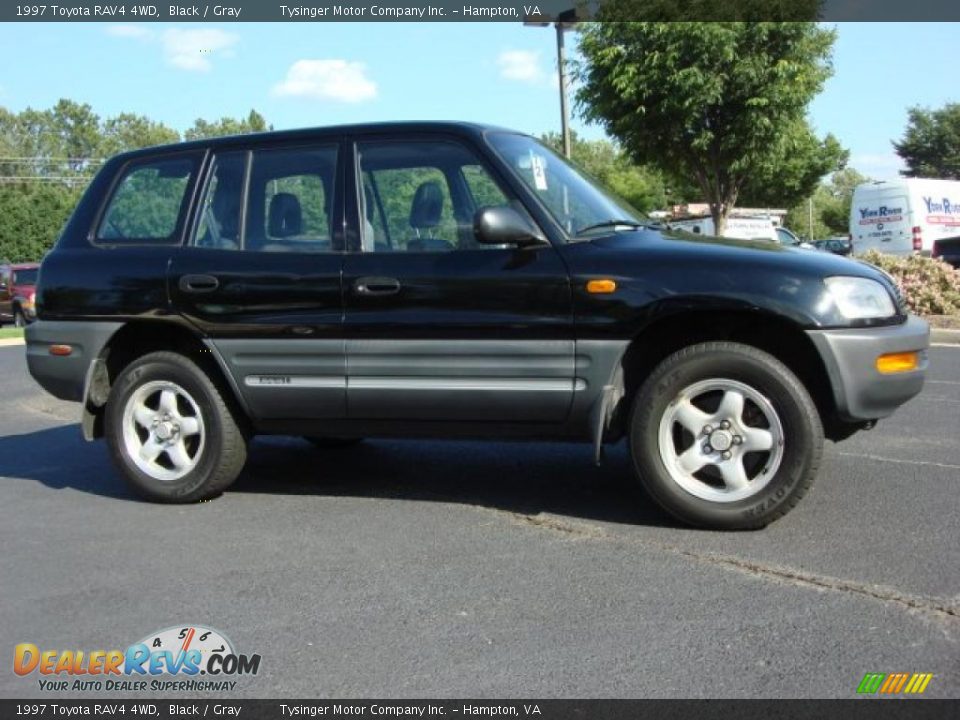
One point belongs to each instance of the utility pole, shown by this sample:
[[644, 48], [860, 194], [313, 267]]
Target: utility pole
[[565, 20]]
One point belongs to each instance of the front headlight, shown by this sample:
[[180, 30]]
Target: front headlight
[[859, 298]]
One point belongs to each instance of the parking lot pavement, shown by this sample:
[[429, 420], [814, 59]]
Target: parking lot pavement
[[418, 569]]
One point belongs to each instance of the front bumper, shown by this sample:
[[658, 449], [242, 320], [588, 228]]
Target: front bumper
[[860, 391]]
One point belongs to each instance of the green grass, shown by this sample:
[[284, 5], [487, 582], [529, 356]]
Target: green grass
[[10, 332]]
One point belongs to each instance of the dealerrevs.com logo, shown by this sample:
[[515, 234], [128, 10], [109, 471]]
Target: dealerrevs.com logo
[[183, 658]]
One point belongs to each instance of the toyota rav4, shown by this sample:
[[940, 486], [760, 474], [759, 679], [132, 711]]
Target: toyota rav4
[[451, 280]]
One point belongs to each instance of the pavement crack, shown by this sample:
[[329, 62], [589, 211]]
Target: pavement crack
[[792, 576], [937, 607], [899, 461]]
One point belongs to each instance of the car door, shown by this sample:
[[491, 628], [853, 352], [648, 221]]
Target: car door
[[260, 276], [438, 326]]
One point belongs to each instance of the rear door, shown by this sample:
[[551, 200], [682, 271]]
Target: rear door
[[260, 276], [440, 327]]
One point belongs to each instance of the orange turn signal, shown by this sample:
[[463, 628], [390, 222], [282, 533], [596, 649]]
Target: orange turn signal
[[898, 362], [60, 350], [602, 286]]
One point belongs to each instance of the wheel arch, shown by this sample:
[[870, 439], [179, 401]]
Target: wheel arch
[[779, 336], [137, 338]]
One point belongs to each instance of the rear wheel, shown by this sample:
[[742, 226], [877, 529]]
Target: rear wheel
[[724, 435], [170, 431]]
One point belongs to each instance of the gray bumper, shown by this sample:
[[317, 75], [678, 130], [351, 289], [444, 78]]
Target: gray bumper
[[65, 377], [850, 354]]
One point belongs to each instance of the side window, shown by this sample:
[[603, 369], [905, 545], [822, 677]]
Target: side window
[[421, 196], [148, 203], [290, 200]]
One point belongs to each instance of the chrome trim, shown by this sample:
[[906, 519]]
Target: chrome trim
[[415, 383], [295, 381]]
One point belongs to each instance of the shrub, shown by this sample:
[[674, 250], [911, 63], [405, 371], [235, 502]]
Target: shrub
[[929, 285]]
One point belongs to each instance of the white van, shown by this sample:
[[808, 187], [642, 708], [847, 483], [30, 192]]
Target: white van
[[742, 228], [900, 217]]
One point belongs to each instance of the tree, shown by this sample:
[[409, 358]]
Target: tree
[[931, 144], [708, 101], [831, 206], [800, 161], [640, 186], [254, 122], [128, 131]]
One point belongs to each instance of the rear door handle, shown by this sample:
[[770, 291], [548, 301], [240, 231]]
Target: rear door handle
[[376, 286], [199, 283]]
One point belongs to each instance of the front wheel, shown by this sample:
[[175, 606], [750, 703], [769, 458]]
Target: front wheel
[[725, 436], [170, 432]]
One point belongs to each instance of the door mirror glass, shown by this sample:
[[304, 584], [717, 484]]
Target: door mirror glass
[[503, 225]]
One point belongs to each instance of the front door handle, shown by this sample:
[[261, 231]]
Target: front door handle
[[376, 286], [199, 283]]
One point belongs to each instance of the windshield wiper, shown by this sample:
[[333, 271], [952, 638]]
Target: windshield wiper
[[613, 222]]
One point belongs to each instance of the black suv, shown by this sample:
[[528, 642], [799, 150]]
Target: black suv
[[451, 280]]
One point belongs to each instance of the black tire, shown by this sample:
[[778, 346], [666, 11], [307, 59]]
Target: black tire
[[19, 320], [802, 434], [223, 453], [328, 443]]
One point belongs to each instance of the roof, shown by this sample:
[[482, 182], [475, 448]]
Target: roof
[[420, 126]]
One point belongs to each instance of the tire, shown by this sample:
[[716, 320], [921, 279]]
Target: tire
[[18, 319], [203, 447], [767, 447], [329, 443]]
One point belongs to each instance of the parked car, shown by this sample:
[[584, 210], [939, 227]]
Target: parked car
[[786, 236], [451, 280], [901, 217], [17, 283], [948, 250], [837, 246]]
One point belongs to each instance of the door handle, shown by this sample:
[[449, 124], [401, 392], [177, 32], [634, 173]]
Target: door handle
[[376, 286], [199, 283]]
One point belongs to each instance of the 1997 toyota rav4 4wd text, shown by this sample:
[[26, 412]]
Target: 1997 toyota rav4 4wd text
[[451, 280]]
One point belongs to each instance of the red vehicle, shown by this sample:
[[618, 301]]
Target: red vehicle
[[17, 284]]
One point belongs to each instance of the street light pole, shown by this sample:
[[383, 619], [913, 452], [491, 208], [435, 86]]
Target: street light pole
[[562, 69], [564, 21]]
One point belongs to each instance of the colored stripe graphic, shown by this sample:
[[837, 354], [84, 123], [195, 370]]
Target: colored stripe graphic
[[894, 683]]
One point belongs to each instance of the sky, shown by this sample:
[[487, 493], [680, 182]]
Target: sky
[[308, 74]]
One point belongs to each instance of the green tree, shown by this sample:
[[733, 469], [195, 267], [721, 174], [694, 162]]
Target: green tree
[[128, 131], [254, 122], [931, 143], [31, 217], [640, 186], [800, 162], [706, 101], [831, 206]]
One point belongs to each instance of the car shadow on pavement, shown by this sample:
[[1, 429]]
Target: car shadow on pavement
[[523, 478], [59, 458]]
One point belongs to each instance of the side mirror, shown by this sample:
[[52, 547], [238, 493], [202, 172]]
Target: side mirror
[[503, 225]]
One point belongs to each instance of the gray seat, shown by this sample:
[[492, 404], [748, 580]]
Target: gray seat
[[426, 211]]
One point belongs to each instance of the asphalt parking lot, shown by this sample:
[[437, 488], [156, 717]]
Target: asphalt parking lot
[[418, 569]]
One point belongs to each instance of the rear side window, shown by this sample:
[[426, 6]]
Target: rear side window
[[149, 202]]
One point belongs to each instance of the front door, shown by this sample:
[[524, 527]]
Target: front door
[[438, 326], [261, 277]]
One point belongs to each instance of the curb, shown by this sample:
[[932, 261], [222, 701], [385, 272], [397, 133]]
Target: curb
[[10, 342], [943, 336]]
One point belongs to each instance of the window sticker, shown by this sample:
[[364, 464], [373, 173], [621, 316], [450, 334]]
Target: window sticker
[[539, 166]]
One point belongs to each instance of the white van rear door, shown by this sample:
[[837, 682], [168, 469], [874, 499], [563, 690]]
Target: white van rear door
[[881, 221]]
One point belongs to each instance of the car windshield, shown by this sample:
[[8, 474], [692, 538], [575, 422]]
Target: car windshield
[[25, 277], [577, 203]]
